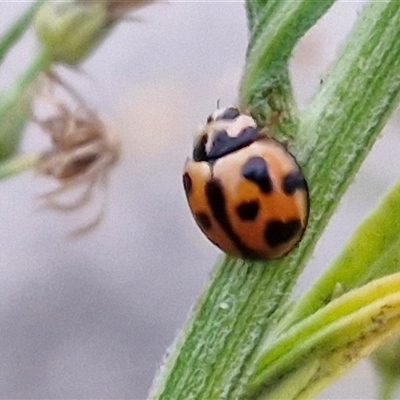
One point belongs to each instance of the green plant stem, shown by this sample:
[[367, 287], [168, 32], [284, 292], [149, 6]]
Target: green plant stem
[[345, 126], [253, 10], [388, 385], [256, 11], [386, 360], [340, 125], [14, 33], [40, 63], [279, 28], [18, 164], [214, 356], [15, 106], [275, 28], [219, 347]]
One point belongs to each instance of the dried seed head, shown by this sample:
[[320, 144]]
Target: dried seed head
[[79, 143], [83, 151]]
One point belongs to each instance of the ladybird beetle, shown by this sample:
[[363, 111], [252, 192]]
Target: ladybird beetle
[[245, 190]]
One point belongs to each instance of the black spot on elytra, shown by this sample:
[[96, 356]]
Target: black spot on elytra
[[217, 202], [187, 183], [292, 181], [279, 232], [248, 210], [199, 149], [224, 144], [230, 113], [203, 220], [256, 170]]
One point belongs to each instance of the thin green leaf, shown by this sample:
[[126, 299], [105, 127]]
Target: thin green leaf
[[334, 338], [18, 28], [372, 252]]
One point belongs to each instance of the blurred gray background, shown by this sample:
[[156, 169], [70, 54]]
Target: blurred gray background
[[92, 317]]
